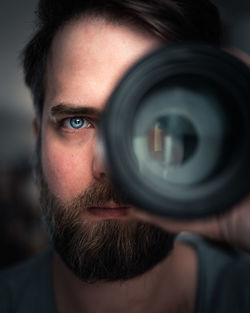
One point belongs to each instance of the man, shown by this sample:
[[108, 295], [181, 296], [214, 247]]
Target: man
[[105, 259]]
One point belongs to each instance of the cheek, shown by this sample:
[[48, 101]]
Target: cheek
[[67, 171]]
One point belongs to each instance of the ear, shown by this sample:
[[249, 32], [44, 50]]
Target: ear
[[36, 126]]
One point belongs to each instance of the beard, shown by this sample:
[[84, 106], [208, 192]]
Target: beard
[[100, 250]]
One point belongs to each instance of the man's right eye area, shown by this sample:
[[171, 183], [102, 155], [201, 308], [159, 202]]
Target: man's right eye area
[[75, 123]]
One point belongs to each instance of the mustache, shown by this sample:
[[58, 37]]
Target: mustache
[[98, 194]]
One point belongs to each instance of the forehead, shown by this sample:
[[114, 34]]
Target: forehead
[[88, 57]]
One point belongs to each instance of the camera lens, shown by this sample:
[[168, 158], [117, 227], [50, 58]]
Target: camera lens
[[176, 131]]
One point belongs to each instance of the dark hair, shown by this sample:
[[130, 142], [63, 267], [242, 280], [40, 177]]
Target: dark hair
[[170, 20]]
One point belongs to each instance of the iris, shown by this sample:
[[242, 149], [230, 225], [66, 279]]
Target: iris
[[77, 122]]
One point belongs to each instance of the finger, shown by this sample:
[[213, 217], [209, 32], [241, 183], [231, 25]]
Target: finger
[[208, 227]]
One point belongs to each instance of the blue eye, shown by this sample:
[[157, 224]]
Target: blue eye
[[77, 122]]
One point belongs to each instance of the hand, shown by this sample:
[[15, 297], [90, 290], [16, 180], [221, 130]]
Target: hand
[[232, 227]]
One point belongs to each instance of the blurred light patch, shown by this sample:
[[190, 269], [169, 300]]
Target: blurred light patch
[[16, 136]]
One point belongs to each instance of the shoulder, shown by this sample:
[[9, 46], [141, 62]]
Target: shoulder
[[220, 269], [25, 284]]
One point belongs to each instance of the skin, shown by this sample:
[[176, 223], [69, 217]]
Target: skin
[[79, 76]]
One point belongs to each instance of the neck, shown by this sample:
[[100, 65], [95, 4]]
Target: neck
[[169, 287]]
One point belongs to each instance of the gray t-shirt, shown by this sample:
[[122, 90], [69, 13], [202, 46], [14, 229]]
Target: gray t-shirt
[[223, 281]]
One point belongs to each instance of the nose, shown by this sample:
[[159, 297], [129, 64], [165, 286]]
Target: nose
[[99, 168]]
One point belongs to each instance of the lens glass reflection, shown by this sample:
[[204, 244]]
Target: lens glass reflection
[[180, 135], [172, 140]]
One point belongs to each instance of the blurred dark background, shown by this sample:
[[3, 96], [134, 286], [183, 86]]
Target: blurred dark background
[[21, 233]]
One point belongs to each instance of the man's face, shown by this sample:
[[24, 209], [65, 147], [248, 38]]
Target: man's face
[[88, 219]]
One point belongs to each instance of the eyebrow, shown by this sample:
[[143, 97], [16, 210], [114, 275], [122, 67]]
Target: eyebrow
[[65, 109]]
